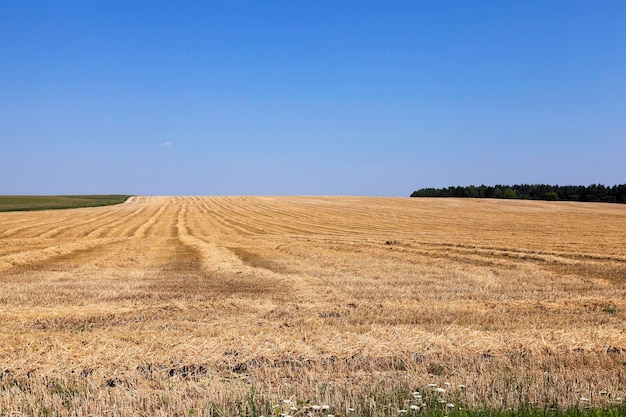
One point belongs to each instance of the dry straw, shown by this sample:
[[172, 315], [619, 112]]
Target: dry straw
[[297, 306]]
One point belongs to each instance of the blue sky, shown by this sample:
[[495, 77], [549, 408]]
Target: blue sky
[[309, 97]]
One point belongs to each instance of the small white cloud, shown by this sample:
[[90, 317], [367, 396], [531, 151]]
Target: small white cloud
[[167, 144]]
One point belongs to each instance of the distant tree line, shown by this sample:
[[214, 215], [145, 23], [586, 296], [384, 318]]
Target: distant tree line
[[592, 193]]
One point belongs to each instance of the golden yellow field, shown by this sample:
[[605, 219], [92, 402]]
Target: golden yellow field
[[227, 305]]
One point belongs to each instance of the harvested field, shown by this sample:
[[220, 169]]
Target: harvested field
[[227, 305]]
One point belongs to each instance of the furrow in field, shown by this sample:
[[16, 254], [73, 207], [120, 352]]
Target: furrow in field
[[417, 252], [46, 223], [257, 220], [201, 221], [14, 222], [131, 227], [164, 225], [120, 271], [304, 212], [220, 209], [121, 215], [208, 220], [171, 229], [100, 254], [282, 216], [230, 224], [10, 246], [221, 214], [144, 229], [224, 272], [260, 254], [114, 226], [228, 227], [521, 253], [266, 219], [160, 205], [27, 258], [74, 227]]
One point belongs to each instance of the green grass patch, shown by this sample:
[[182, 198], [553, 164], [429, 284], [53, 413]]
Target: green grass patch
[[429, 402], [31, 203], [531, 412]]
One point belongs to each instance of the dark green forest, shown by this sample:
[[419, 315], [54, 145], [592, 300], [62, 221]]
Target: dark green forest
[[592, 193]]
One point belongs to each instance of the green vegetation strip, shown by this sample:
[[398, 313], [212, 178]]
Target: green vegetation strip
[[31, 203], [529, 412]]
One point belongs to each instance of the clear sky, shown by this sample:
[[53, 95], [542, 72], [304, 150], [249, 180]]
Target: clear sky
[[309, 97]]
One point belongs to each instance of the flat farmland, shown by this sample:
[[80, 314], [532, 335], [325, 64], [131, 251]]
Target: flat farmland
[[269, 305]]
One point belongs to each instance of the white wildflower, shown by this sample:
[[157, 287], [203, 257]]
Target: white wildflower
[[450, 405], [440, 390], [325, 407], [584, 399], [415, 407], [316, 407], [402, 411], [432, 385]]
